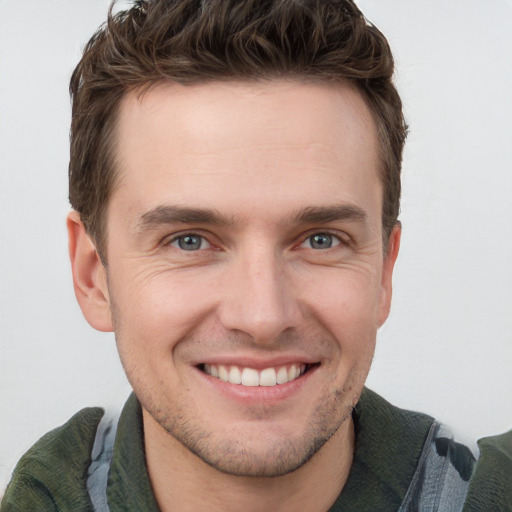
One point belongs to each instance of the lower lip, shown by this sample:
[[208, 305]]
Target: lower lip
[[258, 394]]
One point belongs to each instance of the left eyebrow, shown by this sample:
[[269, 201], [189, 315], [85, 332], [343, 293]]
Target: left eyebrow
[[323, 214]]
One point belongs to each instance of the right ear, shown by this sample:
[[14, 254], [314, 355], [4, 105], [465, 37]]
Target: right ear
[[89, 275]]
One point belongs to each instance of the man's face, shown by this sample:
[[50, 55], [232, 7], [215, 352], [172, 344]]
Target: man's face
[[245, 244]]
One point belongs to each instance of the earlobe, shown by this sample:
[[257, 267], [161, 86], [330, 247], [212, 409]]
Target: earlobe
[[386, 290], [89, 275]]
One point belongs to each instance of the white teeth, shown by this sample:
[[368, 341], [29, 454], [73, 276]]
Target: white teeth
[[268, 377], [223, 373], [235, 375], [282, 375], [251, 377]]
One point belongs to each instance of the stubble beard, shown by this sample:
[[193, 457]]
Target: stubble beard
[[236, 456]]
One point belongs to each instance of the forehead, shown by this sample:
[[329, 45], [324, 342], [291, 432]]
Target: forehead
[[180, 144]]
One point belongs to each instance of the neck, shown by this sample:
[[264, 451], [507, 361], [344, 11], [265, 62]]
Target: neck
[[182, 481]]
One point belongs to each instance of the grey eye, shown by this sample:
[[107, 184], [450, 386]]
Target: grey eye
[[189, 242], [321, 241]]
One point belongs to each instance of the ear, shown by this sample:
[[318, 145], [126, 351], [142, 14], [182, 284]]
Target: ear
[[89, 276], [386, 287]]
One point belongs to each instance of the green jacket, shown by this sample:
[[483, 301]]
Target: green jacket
[[390, 458], [490, 488]]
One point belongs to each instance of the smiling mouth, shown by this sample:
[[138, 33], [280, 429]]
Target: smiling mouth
[[252, 377]]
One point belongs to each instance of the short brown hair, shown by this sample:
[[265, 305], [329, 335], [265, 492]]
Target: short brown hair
[[194, 41]]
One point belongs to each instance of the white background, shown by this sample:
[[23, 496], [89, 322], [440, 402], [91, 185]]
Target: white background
[[447, 347]]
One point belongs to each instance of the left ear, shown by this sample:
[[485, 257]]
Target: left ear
[[386, 285]]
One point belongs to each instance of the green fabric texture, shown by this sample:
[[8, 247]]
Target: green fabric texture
[[52, 475], [490, 488], [389, 441]]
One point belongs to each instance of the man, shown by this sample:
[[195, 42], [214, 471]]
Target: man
[[235, 179]]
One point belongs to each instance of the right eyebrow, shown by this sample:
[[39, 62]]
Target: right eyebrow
[[162, 215]]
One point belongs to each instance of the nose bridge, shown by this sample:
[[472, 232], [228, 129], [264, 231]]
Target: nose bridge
[[260, 301]]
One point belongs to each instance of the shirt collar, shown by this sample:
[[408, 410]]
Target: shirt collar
[[388, 446]]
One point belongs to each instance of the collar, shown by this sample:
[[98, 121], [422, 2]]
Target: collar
[[388, 447], [389, 441], [128, 481]]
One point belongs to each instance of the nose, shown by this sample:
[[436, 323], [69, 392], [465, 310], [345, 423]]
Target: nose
[[258, 297]]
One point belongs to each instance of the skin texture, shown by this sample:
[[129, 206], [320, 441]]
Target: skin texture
[[253, 171]]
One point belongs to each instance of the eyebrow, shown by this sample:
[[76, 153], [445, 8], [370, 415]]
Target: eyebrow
[[168, 214], [323, 214], [162, 215]]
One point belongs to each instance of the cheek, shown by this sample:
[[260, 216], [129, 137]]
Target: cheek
[[344, 298], [154, 308], [346, 304]]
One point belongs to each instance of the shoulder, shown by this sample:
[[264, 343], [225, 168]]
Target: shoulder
[[403, 459], [490, 487], [385, 425], [52, 474], [388, 448]]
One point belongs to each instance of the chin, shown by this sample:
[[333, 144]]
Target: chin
[[277, 458], [259, 449]]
